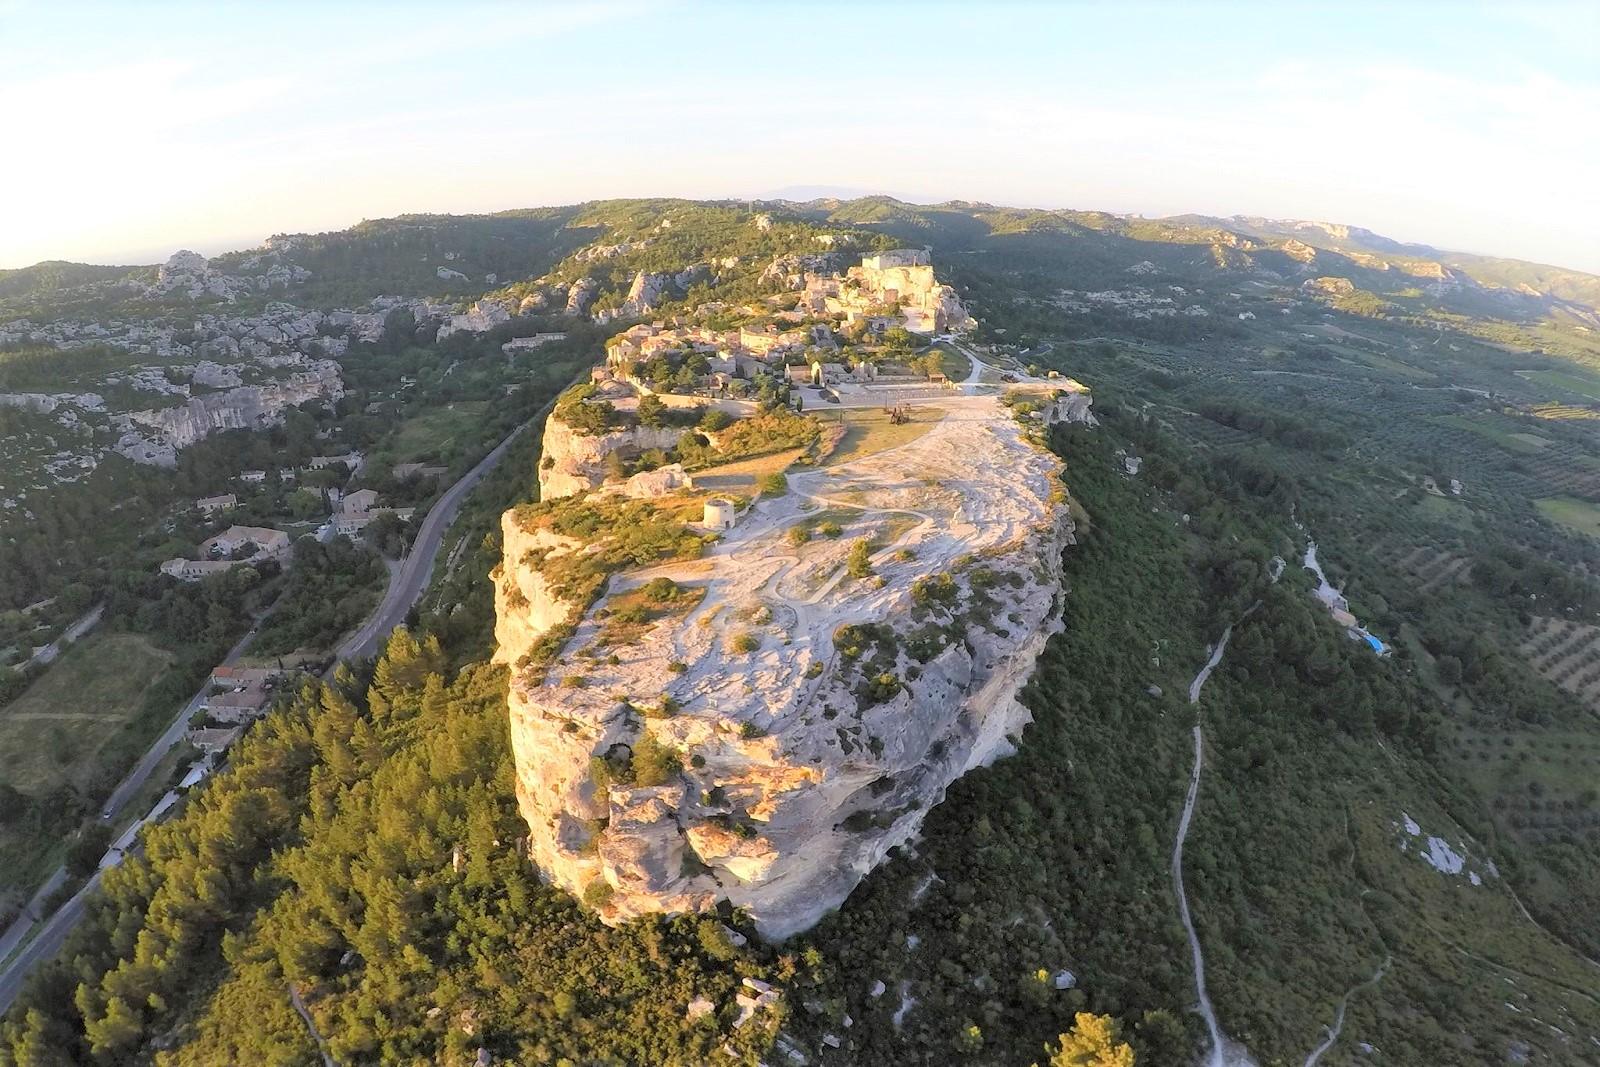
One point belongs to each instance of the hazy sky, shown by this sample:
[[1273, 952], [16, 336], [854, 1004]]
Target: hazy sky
[[134, 129]]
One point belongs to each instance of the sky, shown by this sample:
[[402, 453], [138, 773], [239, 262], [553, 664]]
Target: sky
[[133, 130]]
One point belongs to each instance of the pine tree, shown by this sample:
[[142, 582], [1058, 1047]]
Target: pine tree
[[1093, 1042]]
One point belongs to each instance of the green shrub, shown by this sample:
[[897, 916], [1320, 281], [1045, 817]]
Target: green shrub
[[715, 419], [654, 763], [661, 589]]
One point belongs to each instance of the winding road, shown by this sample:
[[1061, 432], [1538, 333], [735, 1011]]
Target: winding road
[[1225, 1052], [410, 577]]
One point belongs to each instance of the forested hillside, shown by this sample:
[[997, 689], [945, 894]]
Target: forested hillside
[[1402, 835]]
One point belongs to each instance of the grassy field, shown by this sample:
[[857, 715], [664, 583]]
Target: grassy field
[[1572, 383], [1525, 443], [956, 366], [869, 430], [53, 733], [1394, 366], [440, 431], [1579, 515], [739, 479]]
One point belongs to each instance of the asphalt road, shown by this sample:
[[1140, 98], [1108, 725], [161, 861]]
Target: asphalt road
[[410, 578], [81, 626], [46, 943], [406, 583], [30, 914]]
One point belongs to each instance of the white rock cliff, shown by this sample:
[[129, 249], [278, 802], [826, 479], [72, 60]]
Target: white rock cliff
[[803, 760]]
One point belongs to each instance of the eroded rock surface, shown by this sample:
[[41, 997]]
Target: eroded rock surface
[[811, 718]]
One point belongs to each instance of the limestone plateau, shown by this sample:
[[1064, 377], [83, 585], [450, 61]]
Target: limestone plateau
[[771, 698]]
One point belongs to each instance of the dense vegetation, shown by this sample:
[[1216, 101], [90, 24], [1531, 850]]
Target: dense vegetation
[[362, 851], [330, 588]]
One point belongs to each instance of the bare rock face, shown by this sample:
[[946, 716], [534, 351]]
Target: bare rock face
[[1299, 250], [481, 317], [663, 481], [575, 463], [769, 735], [153, 436], [1330, 286], [525, 608], [181, 268], [581, 295]]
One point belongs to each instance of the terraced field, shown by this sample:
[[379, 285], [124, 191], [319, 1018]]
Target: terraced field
[[1568, 654], [1564, 412], [1432, 568], [1568, 471], [1541, 782]]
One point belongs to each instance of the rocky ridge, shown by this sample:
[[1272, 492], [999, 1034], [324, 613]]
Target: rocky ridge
[[810, 718]]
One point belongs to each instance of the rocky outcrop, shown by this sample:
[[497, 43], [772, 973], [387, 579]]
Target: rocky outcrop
[[581, 295], [154, 436], [1330, 286], [1072, 405], [1299, 250], [646, 291], [190, 274], [663, 481], [481, 317], [525, 608], [788, 271], [798, 766], [572, 462], [649, 291]]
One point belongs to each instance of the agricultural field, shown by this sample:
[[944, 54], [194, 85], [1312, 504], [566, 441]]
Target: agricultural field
[[51, 735], [1432, 567], [1568, 654], [1394, 366], [440, 432], [1570, 382], [1541, 782], [1580, 515], [1564, 412], [1511, 440]]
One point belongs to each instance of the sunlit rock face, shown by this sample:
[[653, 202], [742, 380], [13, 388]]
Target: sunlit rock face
[[810, 719]]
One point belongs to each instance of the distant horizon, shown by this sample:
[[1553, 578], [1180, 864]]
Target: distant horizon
[[178, 123], [154, 256]]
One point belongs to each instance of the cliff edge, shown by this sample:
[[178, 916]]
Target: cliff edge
[[713, 699]]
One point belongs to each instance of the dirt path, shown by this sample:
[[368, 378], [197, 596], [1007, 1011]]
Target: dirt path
[[1338, 1016], [1563, 942], [300, 1008], [1225, 1052]]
